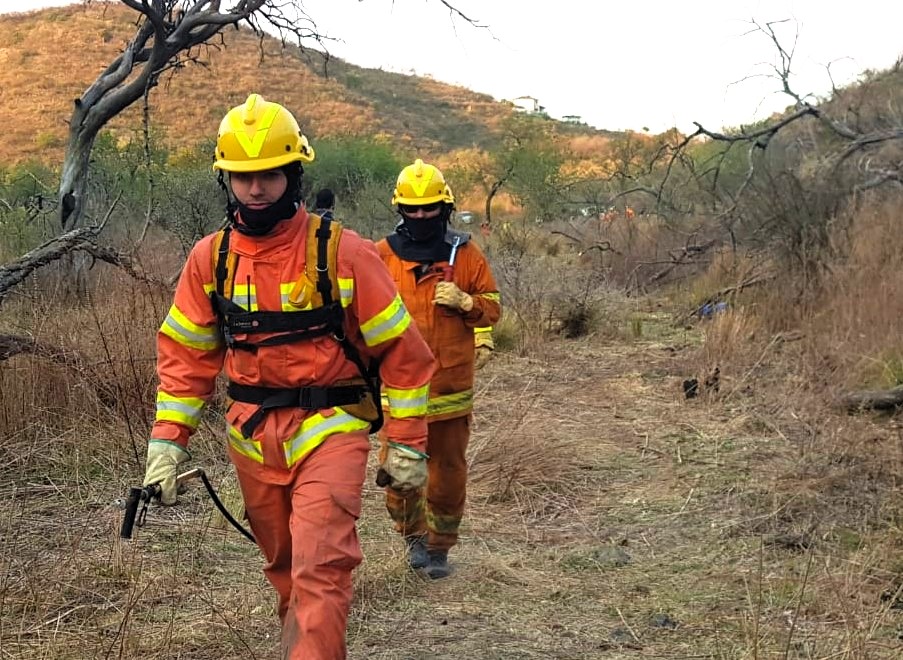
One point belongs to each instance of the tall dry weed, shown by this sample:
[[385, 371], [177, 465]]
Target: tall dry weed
[[851, 321], [548, 290]]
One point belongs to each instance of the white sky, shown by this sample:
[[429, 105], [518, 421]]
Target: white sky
[[617, 64]]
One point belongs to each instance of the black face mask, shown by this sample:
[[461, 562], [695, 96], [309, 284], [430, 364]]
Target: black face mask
[[423, 230], [259, 222]]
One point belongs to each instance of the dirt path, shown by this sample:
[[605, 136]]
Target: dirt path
[[655, 535]]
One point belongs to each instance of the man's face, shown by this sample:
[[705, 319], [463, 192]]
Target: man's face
[[257, 190], [421, 212]]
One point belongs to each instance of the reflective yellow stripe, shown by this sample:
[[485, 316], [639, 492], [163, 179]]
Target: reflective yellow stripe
[[314, 431], [184, 410], [346, 290], [245, 446], [180, 328], [245, 297], [284, 290], [488, 328], [386, 325], [456, 402], [490, 295], [407, 403]]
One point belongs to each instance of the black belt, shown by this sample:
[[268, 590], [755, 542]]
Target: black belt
[[307, 398]]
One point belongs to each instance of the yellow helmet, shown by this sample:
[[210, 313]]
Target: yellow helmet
[[259, 135], [421, 184]]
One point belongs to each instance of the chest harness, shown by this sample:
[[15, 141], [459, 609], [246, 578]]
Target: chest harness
[[317, 287]]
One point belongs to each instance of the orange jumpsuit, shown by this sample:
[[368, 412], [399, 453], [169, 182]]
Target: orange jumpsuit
[[450, 335], [301, 472]]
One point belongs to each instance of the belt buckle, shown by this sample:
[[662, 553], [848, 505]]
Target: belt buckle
[[313, 398], [304, 398]]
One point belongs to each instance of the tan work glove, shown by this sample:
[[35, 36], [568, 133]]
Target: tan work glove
[[163, 461], [406, 467], [481, 356], [448, 294]]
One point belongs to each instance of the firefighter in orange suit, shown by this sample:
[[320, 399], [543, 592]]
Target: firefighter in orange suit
[[299, 407], [447, 304]]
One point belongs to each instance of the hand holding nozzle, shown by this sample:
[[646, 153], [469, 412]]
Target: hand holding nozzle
[[142, 496], [164, 458]]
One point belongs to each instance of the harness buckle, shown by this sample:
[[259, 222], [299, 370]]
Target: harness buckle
[[313, 398]]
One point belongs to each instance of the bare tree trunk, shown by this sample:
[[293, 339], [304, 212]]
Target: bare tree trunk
[[494, 190]]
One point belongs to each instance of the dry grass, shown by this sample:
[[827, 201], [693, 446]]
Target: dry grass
[[607, 518]]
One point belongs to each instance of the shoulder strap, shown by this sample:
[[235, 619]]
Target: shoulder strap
[[224, 263], [322, 259]]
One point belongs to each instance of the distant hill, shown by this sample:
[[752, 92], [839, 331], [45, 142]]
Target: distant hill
[[49, 57]]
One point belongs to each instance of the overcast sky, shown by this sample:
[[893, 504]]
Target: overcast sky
[[618, 65]]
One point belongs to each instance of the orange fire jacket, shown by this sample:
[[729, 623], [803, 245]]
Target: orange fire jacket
[[450, 335], [191, 352]]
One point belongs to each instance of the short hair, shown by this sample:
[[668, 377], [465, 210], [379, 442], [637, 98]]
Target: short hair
[[325, 199]]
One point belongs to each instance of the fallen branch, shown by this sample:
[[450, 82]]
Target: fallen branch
[[872, 399], [602, 246], [11, 345], [125, 261], [16, 271]]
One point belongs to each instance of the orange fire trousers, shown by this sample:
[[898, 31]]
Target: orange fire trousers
[[307, 532], [438, 509]]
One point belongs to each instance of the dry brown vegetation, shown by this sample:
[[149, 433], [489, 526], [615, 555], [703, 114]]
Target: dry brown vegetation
[[609, 516], [330, 98]]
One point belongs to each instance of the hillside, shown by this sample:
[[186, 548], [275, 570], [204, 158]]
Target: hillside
[[330, 98]]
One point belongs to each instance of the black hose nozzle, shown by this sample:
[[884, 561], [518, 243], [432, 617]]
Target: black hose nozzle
[[132, 503], [144, 494]]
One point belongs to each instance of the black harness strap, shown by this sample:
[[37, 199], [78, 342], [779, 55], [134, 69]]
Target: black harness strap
[[294, 326], [324, 284], [222, 262], [308, 398], [290, 327]]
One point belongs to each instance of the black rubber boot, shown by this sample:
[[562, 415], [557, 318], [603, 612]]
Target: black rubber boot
[[438, 567], [417, 554]]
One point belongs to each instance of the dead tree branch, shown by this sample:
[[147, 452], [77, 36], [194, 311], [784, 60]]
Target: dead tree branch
[[56, 248], [872, 399], [686, 255]]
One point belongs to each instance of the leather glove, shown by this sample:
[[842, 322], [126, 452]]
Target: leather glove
[[405, 467], [163, 461], [481, 356], [448, 294]]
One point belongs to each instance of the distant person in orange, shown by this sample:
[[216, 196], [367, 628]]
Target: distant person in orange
[[629, 213], [293, 308], [447, 302]]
